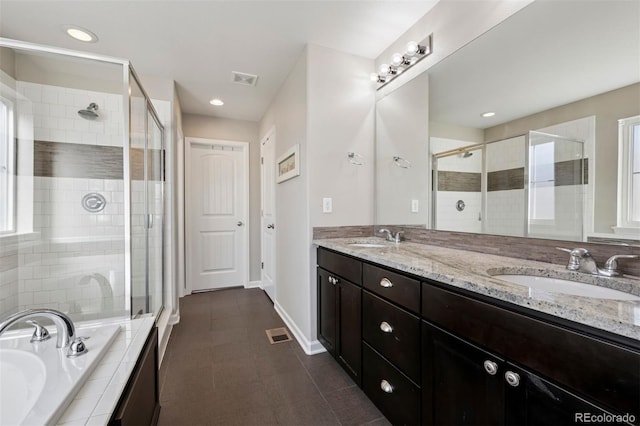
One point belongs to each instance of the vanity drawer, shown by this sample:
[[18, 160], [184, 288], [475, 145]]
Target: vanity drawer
[[400, 402], [344, 266], [393, 332], [613, 378], [398, 288]]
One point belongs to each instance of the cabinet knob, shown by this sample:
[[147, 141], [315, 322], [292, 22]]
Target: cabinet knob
[[386, 283], [512, 378], [386, 386], [334, 280], [386, 327], [491, 367]]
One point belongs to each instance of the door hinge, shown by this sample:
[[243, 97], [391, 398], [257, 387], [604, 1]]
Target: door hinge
[[261, 265], [261, 160]]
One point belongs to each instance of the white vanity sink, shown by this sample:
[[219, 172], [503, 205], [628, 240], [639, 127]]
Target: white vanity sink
[[369, 245], [557, 285]]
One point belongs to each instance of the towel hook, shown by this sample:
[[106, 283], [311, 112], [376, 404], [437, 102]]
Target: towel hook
[[355, 158], [401, 162]]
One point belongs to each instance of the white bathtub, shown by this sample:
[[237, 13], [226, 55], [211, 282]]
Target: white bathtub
[[38, 380]]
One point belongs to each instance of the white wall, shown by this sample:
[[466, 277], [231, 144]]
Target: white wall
[[402, 126], [327, 106], [201, 126], [288, 113]]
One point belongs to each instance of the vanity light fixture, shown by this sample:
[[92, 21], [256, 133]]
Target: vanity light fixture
[[80, 34], [216, 102], [488, 114], [402, 61]]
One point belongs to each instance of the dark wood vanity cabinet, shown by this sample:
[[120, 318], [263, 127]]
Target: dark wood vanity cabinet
[[483, 364], [426, 353], [140, 401], [339, 310]]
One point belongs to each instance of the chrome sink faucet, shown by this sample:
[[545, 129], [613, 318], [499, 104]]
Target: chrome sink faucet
[[580, 260], [396, 238], [66, 331]]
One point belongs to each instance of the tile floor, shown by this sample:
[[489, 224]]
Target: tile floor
[[220, 369]]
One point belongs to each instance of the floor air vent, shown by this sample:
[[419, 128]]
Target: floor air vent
[[243, 78], [278, 335]]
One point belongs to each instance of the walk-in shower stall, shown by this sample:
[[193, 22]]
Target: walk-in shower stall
[[530, 185], [81, 185]]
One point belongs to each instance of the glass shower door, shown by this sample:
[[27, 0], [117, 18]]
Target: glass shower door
[[155, 221], [147, 179], [556, 177]]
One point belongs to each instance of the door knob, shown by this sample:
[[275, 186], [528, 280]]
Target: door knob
[[270, 226], [240, 223]]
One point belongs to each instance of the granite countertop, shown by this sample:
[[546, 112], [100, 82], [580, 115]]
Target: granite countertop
[[473, 271]]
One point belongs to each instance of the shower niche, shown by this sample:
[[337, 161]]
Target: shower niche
[[82, 172]]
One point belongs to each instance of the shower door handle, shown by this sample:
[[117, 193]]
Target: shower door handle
[[149, 221]]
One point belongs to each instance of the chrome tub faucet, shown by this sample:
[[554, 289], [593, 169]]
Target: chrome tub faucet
[[66, 331]]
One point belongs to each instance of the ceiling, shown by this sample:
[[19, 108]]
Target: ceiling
[[199, 43]]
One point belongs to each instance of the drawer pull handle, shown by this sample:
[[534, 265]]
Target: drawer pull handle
[[512, 378], [491, 367], [386, 283], [386, 386], [386, 327]]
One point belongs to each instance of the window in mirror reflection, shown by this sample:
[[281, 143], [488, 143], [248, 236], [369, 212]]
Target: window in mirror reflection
[[629, 175]]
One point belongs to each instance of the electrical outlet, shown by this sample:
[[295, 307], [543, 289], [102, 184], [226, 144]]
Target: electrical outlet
[[415, 206], [327, 205]]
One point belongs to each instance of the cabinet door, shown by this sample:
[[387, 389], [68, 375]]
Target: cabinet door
[[349, 341], [461, 383], [327, 302], [531, 400]]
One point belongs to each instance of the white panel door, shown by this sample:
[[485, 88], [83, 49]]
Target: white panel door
[[216, 198], [268, 215]]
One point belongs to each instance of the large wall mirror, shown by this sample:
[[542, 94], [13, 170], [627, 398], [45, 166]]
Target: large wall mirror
[[562, 81]]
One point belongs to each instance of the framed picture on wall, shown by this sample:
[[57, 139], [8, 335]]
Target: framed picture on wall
[[288, 164]]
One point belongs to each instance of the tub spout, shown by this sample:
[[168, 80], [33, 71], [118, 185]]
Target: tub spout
[[64, 325]]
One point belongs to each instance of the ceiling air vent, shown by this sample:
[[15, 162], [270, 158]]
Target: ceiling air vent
[[243, 78]]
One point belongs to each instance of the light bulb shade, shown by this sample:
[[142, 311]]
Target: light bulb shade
[[384, 69], [374, 77], [397, 59], [412, 48]]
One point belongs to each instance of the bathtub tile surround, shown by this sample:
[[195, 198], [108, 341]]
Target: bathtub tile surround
[[473, 272], [96, 401]]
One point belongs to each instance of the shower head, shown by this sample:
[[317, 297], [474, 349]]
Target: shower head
[[89, 113], [467, 154]]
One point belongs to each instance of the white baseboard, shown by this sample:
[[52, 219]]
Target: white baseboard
[[309, 347], [254, 284], [165, 326]]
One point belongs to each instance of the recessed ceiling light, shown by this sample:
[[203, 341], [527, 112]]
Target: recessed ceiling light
[[216, 102], [488, 114], [80, 34]]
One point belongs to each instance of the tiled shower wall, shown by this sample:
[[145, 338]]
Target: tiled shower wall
[[505, 213], [459, 179], [74, 260]]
